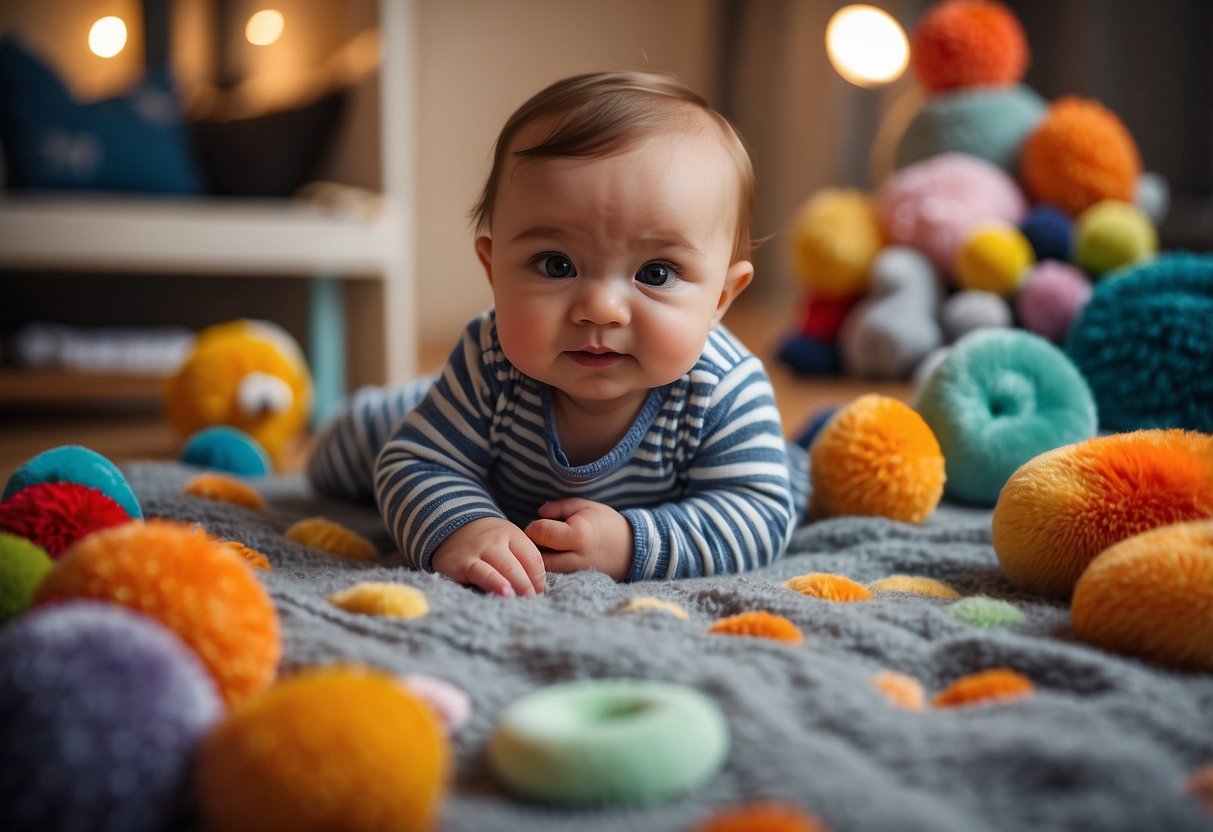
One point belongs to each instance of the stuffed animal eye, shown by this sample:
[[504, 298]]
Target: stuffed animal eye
[[261, 394]]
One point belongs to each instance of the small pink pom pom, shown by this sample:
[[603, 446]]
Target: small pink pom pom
[[1052, 296], [452, 705]]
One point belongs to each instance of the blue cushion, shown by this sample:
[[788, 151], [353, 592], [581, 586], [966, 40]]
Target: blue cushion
[[136, 142]]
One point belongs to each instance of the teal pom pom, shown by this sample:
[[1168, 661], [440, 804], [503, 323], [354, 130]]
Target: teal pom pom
[[1145, 344], [22, 567], [83, 466], [999, 398], [988, 122], [981, 611], [228, 449]]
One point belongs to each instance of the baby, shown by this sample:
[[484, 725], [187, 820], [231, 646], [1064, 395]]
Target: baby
[[597, 417]]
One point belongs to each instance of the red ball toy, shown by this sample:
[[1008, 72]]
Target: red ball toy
[[54, 515], [968, 43]]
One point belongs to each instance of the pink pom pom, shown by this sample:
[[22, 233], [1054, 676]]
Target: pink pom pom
[[452, 705], [1052, 296], [934, 204]]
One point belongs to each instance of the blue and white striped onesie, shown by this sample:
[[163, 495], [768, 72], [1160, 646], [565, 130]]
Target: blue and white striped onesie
[[703, 476]]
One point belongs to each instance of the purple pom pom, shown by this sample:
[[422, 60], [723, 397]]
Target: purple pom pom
[[101, 710], [1052, 296]]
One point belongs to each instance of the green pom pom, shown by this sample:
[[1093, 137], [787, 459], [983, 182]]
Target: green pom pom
[[22, 567], [981, 611]]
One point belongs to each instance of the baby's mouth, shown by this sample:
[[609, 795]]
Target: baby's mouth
[[595, 357]]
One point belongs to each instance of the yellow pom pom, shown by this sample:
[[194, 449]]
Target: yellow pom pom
[[913, 585], [1152, 596], [900, 690], [876, 457], [828, 587], [759, 624], [994, 258], [836, 235], [224, 489], [649, 602], [999, 684], [328, 749], [382, 598], [334, 538]]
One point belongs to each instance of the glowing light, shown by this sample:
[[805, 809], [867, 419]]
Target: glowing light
[[867, 46], [107, 37], [264, 27]]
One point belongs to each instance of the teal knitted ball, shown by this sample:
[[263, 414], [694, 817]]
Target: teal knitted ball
[[989, 122], [1144, 342], [999, 398], [225, 448]]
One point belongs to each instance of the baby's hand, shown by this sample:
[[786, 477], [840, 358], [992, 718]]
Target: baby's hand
[[494, 555], [582, 534]]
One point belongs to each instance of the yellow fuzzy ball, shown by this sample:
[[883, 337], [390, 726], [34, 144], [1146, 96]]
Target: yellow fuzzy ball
[[337, 748], [1152, 596], [382, 598], [876, 457], [835, 236], [1111, 234], [995, 257]]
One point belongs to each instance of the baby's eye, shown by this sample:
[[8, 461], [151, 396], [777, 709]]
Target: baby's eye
[[555, 265], [657, 273]]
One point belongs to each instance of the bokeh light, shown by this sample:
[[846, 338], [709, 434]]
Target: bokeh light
[[866, 45], [264, 27], [107, 37]]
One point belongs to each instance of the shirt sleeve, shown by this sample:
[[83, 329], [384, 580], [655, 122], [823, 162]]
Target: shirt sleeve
[[429, 477], [738, 510]]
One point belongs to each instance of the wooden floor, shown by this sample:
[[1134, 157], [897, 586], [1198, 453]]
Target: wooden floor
[[124, 424]]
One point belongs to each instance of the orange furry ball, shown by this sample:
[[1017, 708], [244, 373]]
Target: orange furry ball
[[876, 457], [828, 587], [334, 748], [334, 538], [1064, 507], [762, 816], [187, 581], [968, 43], [1080, 154], [225, 489], [999, 684], [251, 556], [1151, 596], [759, 624], [900, 690]]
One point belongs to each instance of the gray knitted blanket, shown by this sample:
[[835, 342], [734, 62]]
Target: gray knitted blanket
[[1105, 743]]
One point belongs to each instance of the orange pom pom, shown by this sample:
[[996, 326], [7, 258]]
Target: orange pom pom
[[876, 457], [1080, 154], [1064, 507], [967, 43], [828, 587], [901, 690], [997, 685], [225, 489], [334, 538], [760, 625], [251, 556], [190, 583], [337, 748], [1152, 596], [762, 816]]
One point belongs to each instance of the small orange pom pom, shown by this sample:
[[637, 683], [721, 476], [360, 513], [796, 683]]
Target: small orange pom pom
[[967, 43], [762, 816], [251, 556], [225, 489], [828, 587], [760, 625], [901, 690], [999, 684], [321, 533]]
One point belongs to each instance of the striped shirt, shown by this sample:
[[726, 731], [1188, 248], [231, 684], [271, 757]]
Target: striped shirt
[[703, 476]]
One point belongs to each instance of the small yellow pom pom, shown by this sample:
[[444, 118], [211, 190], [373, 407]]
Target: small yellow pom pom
[[224, 489], [828, 587], [999, 684], [251, 556], [994, 258], [760, 625], [900, 690], [382, 598], [836, 235], [914, 585], [334, 538], [649, 602]]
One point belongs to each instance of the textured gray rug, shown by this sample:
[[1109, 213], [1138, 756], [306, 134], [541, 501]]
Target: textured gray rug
[[1105, 743]]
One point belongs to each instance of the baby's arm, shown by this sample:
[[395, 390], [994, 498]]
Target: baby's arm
[[582, 534]]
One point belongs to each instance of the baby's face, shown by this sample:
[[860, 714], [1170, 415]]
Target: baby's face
[[608, 274]]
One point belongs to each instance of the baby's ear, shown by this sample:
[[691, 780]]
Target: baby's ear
[[735, 281], [484, 250]]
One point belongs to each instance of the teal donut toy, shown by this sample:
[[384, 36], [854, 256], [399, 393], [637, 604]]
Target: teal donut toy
[[75, 463], [608, 741], [988, 122], [228, 449], [999, 398]]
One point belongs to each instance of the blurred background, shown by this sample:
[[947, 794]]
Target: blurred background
[[326, 154]]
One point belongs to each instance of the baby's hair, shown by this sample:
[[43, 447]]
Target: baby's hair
[[600, 113]]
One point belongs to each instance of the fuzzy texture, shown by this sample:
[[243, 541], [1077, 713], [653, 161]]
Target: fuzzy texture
[[1080, 154], [23, 565], [1065, 507], [876, 457], [900, 690], [101, 712], [999, 398], [1144, 344], [212, 486], [327, 536], [1151, 596], [758, 624], [381, 598], [988, 122], [1052, 296], [1050, 231], [1111, 235], [997, 685], [187, 581], [828, 587], [765, 816], [835, 236], [971, 310], [228, 449], [54, 515], [76, 464], [981, 611], [934, 204], [334, 748], [915, 585], [968, 43], [994, 258]]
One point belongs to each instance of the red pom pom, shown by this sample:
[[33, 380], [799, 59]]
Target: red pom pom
[[968, 43], [54, 515]]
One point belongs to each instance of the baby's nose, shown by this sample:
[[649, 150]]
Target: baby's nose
[[601, 303]]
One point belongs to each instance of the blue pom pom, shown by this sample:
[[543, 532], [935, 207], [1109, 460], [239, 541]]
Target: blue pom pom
[[999, 398], [813, 427], [1144, 342], [1050, 231], [74, 463], [809, 356], [101, 710], [225, 448]]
